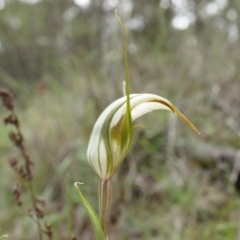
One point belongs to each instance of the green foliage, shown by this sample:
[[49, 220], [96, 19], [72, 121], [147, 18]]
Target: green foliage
[[57, 70], [3, 236], [92, 215]]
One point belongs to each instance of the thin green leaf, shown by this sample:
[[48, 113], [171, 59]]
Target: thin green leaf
[[92, 215]]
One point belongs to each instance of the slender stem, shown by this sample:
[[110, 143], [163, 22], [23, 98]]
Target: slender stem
[[33, 198], [29, 183], [100, 198], [69, 219], [105, 198], [108, 200]]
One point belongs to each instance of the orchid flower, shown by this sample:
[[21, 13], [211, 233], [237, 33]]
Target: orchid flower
[[112, 134], [112, 138]]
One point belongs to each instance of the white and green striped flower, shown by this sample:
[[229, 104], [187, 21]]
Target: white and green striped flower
[[111, 140], [112, 134]]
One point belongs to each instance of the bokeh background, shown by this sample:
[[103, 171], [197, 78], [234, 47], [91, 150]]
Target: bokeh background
[[63, 62]]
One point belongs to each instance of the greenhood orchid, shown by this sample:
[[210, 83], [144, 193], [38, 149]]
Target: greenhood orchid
[[111, 140], [112, 134]]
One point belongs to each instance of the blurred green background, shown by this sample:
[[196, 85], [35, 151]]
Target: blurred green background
[[63, 61]]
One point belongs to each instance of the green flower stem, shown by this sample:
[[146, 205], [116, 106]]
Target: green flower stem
[[105, 199]]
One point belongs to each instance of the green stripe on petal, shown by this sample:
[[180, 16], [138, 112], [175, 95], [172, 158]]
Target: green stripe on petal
[[99, 151], [112, 134]]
